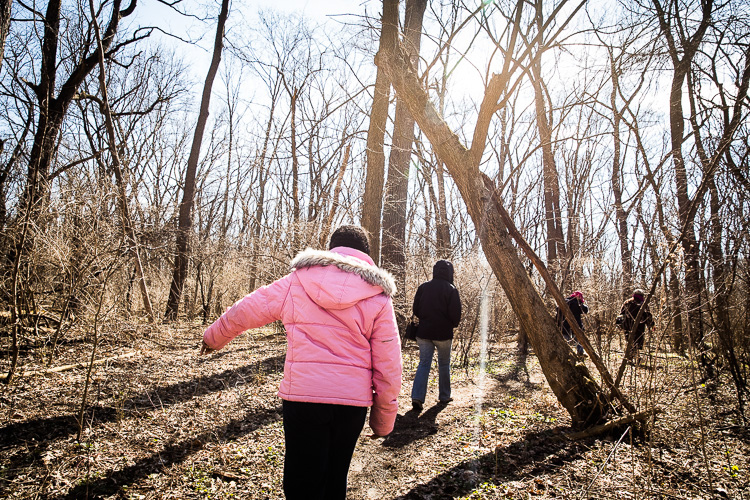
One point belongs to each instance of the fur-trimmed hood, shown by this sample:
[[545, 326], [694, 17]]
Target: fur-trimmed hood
[[350, 261]]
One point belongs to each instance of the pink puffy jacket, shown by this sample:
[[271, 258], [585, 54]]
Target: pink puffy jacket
[[343, 345]]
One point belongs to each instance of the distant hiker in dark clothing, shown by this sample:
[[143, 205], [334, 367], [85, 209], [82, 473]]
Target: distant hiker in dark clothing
[[577, 305], [628, 313], [438, 307]]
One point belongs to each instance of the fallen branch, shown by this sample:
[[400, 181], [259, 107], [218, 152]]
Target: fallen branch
[[614, 424], [73, 366]]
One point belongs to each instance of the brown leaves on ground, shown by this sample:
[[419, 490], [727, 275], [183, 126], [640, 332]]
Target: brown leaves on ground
[[166, 423]]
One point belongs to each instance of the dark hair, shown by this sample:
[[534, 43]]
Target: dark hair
[[351, 236]]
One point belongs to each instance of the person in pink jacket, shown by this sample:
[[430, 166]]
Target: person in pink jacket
[[343, 356]]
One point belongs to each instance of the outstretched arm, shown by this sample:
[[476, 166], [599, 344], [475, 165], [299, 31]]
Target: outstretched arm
[[261, 307]]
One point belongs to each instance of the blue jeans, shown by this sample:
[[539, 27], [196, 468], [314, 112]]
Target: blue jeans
[[426, 350]]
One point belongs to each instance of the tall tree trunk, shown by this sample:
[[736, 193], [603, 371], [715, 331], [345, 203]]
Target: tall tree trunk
[[550, 178], [5, 8], [682, 55], [571, 382], [372, 205], [185, 218], [442, 229], [397, 185], [621, 216]]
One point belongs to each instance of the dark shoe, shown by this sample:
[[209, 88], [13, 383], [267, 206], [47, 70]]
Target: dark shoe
[[417, 404], [445, 401]]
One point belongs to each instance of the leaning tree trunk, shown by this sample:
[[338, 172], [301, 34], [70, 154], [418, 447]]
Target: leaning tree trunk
[[185, 219], [571, 382]]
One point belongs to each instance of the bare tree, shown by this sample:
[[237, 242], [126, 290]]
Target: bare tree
[[372, 206], [127, 222], [397, 184], [5, 9], [571, 382], [550, 178], [185, 221], [54, 99]]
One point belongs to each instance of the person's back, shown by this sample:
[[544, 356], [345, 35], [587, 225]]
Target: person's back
[[630, 310], [577, 305], [636, 334], [343, 356], [438, 307], [437, 304]]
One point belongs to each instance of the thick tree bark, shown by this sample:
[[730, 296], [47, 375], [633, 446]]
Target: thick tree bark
[[5, 8], [571, 382], [185, 218], [397, 185], [550, 179], [687, 48], [621, 216], [372, 205]]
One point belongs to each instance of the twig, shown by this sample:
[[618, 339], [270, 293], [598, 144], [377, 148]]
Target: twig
[[611, 453], [64, 368]]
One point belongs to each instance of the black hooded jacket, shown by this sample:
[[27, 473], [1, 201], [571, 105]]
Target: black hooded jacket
[[437, 304]]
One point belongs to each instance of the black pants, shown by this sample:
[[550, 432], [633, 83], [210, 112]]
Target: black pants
[[320, 441]]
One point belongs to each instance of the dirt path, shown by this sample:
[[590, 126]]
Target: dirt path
[[167, 424]]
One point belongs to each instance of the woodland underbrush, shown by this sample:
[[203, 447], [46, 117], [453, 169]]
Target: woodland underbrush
[[160, 422]]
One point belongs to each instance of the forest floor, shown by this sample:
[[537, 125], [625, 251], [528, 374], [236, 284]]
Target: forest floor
[[165, 423]]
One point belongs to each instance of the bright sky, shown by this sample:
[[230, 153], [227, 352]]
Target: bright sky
[[154, 13]]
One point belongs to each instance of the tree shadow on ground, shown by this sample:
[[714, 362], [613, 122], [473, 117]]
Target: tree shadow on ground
[[33, 437], [531, 456], [516, 378], [43, 429], [412, 426], [172, 454]]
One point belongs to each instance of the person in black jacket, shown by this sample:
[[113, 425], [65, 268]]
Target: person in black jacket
[[629, 313], [438, 307], [577, 305]]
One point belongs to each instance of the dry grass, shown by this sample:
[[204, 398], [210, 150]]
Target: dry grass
[[167, 424]]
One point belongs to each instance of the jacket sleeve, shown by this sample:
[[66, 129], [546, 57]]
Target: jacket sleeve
[[259, 308], [455, 308], [648, 318], [385, 346], [415, 305]]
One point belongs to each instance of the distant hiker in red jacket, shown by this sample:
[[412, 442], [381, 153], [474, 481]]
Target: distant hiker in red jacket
[[343, 356], [577, 305]]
